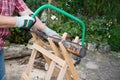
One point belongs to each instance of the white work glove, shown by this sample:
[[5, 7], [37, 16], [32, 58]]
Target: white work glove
[[50, 32], [25, 22]]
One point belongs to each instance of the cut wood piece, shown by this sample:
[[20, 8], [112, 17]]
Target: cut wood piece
[[76, 40], [64, 36]]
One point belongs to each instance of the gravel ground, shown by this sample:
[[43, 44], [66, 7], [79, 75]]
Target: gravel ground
[[95, 66]]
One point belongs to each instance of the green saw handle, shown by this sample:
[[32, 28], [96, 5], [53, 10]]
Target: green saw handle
[[66, 14]]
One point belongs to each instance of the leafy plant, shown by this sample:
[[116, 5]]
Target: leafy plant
[[90, 11], [19, 36], [71, 27], [98, 30], [114, 40], [35, 4]]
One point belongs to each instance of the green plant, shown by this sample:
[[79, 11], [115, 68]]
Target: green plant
[[35, 4], [89, 11], [19, 36], [98, 30], [114, 40], [71, 27]]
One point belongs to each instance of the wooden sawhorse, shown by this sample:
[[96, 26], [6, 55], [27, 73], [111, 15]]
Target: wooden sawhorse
[[58, 59]]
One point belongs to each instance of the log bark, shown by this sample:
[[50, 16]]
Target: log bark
[[72, 47], [13, 54]]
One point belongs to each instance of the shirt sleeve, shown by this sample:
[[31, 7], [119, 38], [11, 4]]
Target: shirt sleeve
[[20, 6]]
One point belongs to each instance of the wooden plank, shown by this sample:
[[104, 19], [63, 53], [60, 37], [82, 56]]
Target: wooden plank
[[54, 47], [76, 40], [31, 61], [34, 36], [57, 53], [48, 62], [69, 62], [55, 59], [68, 74], [50, 71], [64, 35], [62, 72], [24, 76], [49, 54]]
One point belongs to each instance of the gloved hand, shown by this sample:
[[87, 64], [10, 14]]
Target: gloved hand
[[25, 22], [50, 32]]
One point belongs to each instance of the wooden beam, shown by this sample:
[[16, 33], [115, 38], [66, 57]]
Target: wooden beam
[[69, 62], [50, 71], [31, 62], [49, 54]]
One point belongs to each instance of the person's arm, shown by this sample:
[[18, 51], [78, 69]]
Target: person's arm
[[23, 21], [22, 9], [7, 22], [39, 25]]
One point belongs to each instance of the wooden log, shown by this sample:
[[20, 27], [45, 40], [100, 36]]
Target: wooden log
[[17, 54], [72, 47]]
